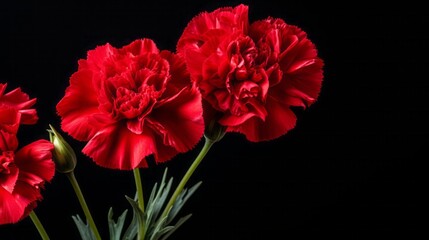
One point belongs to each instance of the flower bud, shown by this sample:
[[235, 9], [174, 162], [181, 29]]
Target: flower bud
[[63, 154], [214, 131]]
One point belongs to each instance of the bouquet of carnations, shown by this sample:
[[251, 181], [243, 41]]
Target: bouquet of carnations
[[138, 102]]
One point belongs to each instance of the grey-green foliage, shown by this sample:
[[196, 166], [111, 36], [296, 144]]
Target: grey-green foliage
[[85, 230], [115, 228], [155, 226]]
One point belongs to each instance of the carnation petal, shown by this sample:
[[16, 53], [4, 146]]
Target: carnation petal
[[16, 206], [118, 148], [195, 62], [180, 77], [140, 46], [229, 119], [26, 197], [279, 120], [35, 162], [181, 119], [20, 101], [228, 19], [29, 116], [256, 109], [10, 210], [164, 152], [2, 88], [300, 64], [78, 106], [309, 79], [9, 120], [97, 57], [8, 180]]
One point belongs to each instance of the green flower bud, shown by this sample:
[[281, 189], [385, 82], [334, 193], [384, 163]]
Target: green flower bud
[[214, 131], [63, 154]]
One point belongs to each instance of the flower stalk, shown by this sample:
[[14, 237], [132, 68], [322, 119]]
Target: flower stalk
[[39, 226], [214, 132], [139, 187], [83, 204], [65, 162], [208, 143]]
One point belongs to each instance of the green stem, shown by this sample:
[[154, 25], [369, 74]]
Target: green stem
[[137, 178], [83, 204], [207, 145], [39, 226], [139, 187]]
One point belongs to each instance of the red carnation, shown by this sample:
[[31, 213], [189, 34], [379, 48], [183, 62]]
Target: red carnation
[[130, 103], [251, 74], [23, 173]]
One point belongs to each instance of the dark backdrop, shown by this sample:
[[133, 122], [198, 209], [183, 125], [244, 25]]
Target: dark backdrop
[[349, 170]]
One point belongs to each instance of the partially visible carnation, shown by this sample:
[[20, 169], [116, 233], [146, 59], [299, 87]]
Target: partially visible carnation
[[251, 74], [23, 172], [131, 103]]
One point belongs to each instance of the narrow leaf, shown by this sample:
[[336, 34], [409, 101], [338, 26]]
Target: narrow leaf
[[85, 230], [132, 229], [181, 200], [115, 228], [178, 224], [137, 221]]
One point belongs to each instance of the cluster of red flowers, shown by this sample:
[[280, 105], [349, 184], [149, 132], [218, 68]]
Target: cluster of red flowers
[[137, 101]]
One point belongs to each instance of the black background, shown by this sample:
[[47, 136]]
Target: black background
[[351, 169]]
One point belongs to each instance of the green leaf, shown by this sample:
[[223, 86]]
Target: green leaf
[[155, 204], [159, 227], [138, 214], [155, 226], [132, 229], [115, 228], [178, 224], [84, 229], [159, 201], [181, 200]]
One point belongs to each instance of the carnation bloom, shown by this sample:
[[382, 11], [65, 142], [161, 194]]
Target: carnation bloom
[[251, 74], [130, 103], [23, 173], [16, 99]]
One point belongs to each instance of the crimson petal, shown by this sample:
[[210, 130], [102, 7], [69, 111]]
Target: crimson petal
[[182, 119], [79, 106], [10, 210], [35, 162], [26, 197], [279, 120], [117, 148]]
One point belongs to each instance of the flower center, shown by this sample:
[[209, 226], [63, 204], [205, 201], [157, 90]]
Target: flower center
[[246, 80], [244, 83], [130, 104]]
